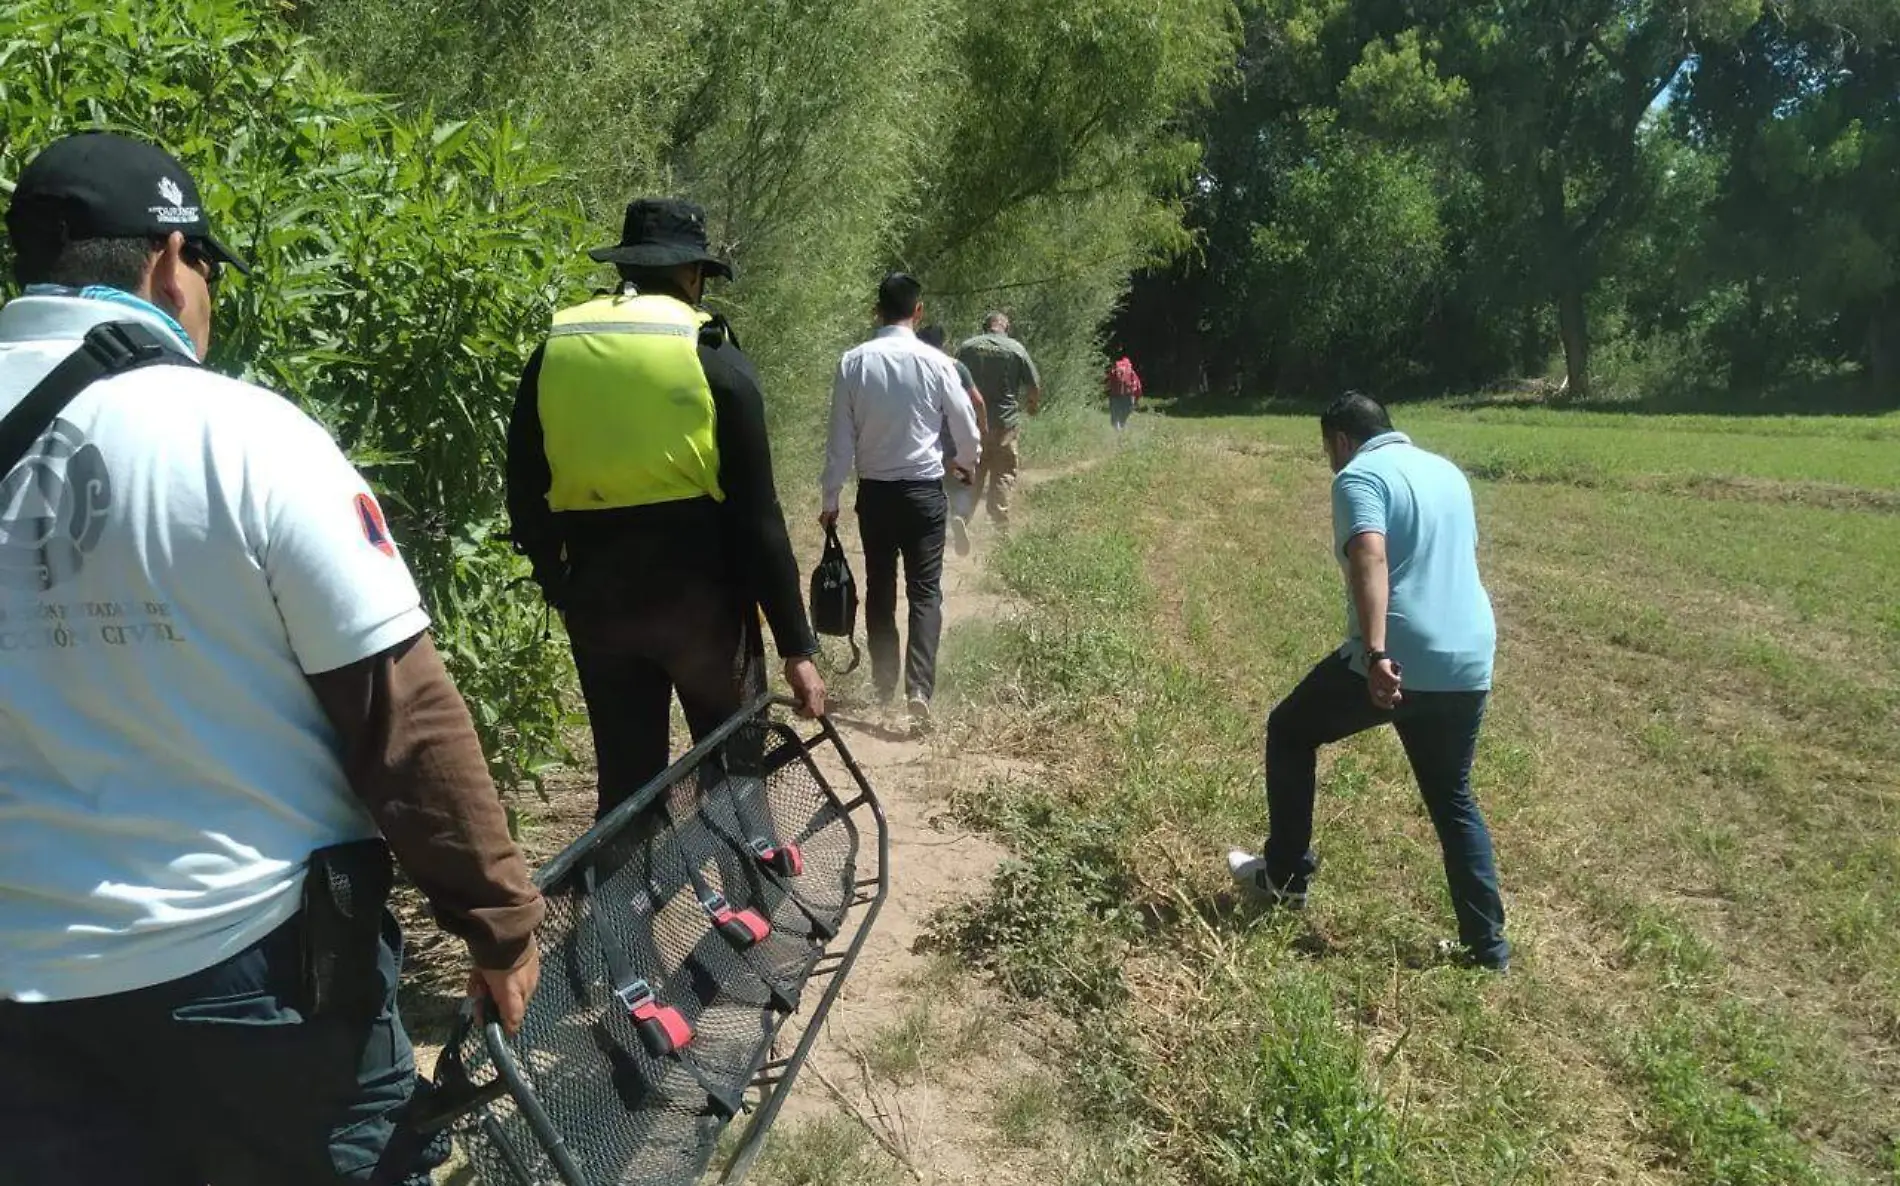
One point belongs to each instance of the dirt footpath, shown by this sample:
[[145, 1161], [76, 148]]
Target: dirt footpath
[[921, 1074], [916, 1052]]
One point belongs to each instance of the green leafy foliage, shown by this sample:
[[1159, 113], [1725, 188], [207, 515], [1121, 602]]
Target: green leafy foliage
[[1805, 129], [403, 268], [1018, 155], [1358, 243], [1057, 170], [1663, 198]]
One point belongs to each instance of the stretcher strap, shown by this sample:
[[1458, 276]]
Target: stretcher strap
[[760, 848], [742, 928], [663, 1030]]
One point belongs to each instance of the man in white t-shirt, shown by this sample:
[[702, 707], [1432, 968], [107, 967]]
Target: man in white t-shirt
[[217, 676]]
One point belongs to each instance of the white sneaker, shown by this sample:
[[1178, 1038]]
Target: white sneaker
[[960, 534], [1454, 952], [1250, 877], [919, 714]]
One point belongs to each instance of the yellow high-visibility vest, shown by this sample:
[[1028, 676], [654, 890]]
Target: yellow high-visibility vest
[[627, 416]]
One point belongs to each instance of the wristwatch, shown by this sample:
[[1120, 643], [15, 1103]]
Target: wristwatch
[[1375, 656]]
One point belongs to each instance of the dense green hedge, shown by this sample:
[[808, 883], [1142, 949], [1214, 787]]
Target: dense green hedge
[[403, 268], [410, 237], [1012, 153]]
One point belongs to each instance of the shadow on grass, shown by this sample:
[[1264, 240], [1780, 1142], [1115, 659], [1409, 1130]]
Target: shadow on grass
[[1227, 910], [1834, 395]]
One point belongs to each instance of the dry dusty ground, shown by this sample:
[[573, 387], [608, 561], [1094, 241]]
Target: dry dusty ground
[[918, 1061]]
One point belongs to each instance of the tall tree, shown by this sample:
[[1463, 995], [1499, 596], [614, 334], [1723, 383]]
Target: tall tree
[[1313, 238], [1065, 132], [1067, 100], [1807, 115], [1560, 94]]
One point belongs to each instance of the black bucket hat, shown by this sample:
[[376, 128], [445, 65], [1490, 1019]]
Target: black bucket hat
[[98, 185], [663, 233]]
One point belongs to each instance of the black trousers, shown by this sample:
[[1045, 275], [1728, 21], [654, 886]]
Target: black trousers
[[213, 1078], [699, 639], [903, 519]]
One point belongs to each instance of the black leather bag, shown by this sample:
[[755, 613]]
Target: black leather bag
[[834, 596]]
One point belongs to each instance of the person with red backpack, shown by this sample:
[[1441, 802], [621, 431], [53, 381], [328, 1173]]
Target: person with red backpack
[[1124, 392]]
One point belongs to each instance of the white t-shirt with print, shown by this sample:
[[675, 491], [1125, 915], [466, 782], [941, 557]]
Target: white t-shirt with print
[[175, 555]]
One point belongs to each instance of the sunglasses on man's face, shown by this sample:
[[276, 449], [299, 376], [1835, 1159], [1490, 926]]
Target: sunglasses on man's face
[[204, 263]]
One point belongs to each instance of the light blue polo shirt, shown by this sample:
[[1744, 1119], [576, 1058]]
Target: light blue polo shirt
[[1439, 626]]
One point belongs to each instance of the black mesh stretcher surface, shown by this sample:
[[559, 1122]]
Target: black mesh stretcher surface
[[683, 931]]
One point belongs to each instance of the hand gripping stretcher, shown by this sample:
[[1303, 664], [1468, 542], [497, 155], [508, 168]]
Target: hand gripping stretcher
[[683, 932]]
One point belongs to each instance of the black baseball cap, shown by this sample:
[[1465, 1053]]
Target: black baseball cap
[[98, 185]]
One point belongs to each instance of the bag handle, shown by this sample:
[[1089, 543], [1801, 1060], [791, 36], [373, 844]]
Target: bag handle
[[834, 547], [834, 550], [857, 656]]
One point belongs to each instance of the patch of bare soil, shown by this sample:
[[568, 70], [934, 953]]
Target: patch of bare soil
[[915, 1052], [1827, 496]]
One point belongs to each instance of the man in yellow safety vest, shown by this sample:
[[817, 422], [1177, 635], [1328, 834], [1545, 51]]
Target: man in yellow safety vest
[[640, 489]]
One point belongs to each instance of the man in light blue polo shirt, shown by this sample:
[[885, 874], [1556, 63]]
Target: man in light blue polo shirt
[[1420, 640]]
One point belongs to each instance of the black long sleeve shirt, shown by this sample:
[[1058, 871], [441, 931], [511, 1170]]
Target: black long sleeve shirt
[[742, 539]]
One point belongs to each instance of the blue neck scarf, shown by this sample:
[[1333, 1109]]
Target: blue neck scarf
[[118, 296]]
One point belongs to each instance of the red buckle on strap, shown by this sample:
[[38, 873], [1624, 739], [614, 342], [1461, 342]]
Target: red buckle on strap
[[742, 928], [785, 859], [663, 1029]]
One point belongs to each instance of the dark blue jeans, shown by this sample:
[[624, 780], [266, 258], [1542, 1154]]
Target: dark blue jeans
[[1440, 734], [212, 1080]]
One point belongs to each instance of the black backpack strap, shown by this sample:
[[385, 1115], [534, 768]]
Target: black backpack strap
[[111, 348]]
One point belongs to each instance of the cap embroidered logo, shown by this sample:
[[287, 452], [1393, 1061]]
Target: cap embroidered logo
[[375, 530], [175, 213]]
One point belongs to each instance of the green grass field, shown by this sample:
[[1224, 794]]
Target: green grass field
[[1691, 766]]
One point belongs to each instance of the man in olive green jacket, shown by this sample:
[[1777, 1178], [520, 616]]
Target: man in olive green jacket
[[1007, 377]]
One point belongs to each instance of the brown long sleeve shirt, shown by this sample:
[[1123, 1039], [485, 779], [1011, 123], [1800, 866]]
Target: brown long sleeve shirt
[[412, 756]]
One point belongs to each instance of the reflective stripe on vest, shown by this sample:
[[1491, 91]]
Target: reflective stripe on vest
[[626, 413]]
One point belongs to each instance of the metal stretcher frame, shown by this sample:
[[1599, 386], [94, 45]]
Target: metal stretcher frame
[[772, 1077]]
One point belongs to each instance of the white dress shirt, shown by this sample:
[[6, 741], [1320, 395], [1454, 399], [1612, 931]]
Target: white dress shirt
[[889, 404]]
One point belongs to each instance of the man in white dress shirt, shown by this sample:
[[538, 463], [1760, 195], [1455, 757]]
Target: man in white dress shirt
[[889, 403]]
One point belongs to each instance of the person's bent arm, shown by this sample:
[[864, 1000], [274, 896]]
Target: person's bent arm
[[1359, 518], [532, 525], [1370, 584], [410, 752], [954, 405], [1032, 384], [354, 622], [761, 545], [840, 448], [982, 409]]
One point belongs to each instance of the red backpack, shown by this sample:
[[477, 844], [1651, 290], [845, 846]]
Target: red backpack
[[1123, 381]]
